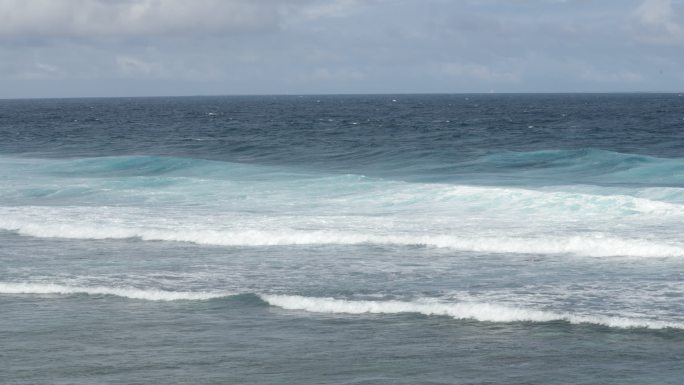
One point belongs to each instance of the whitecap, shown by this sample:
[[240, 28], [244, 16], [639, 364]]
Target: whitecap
[[126, 292], [484, 312]]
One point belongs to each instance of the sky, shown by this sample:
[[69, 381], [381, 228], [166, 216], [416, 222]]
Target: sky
[[81, 48]]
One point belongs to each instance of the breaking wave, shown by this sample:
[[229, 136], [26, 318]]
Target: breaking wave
[[126, 292], [577, 165], [591, 245], [484, 312], [476, 311]]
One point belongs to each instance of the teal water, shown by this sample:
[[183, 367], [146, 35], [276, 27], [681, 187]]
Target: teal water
[[451, 239]]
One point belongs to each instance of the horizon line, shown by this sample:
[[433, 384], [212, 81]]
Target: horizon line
[[679, 93]]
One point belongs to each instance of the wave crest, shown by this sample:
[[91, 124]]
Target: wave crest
[[476, 311], [585, 162], [484, 312], [126, 292], [591, 245]]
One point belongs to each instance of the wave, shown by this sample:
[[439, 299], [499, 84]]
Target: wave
[[587, 164], [476, 311], [125, 166], [554, 201], [590, 245], [579, 165], [167, 180], [276, 207], [484, 312], [126, 292], [121, 166]]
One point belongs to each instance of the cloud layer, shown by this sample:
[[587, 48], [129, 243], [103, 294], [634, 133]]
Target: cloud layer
[[661, 23], [160, 47], [106, 18]]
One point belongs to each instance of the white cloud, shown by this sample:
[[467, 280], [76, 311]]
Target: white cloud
[[38, 70], [478, 72], [591, 73], [84, 18], [330, 8], [129, 66], [659, 21], [324, 74]]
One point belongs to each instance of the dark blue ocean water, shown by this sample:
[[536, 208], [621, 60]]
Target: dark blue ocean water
[[371, 239]]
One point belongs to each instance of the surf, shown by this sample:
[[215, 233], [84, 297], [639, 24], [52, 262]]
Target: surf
[[588, 245], [483, 312], [124, 292], [477, 311]]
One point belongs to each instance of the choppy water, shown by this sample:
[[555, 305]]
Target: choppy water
[[456, 239]]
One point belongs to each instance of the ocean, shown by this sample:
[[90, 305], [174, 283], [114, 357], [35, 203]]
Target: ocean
[[343, 239]]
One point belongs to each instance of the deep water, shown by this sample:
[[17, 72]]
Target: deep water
[[369, 239]]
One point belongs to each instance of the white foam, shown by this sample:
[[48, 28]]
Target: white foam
[[475, 311], [568, 202], [486, 312], [591, 245], [127, 292]]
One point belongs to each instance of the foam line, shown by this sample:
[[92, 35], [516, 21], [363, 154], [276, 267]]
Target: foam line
[[485, 312], [126, 292], [596, 245], [572, 202], [475, 311]]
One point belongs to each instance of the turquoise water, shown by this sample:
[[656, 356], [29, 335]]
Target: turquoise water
[[456, 239]]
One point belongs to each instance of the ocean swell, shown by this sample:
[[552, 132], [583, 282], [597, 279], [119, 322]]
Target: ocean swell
[[583, 165]]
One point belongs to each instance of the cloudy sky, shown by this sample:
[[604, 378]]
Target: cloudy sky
[[66, 48]]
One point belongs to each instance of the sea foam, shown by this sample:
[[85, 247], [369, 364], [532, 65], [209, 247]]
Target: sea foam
[[591, 245], [476, 311], [484, 312], [126, 292]]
